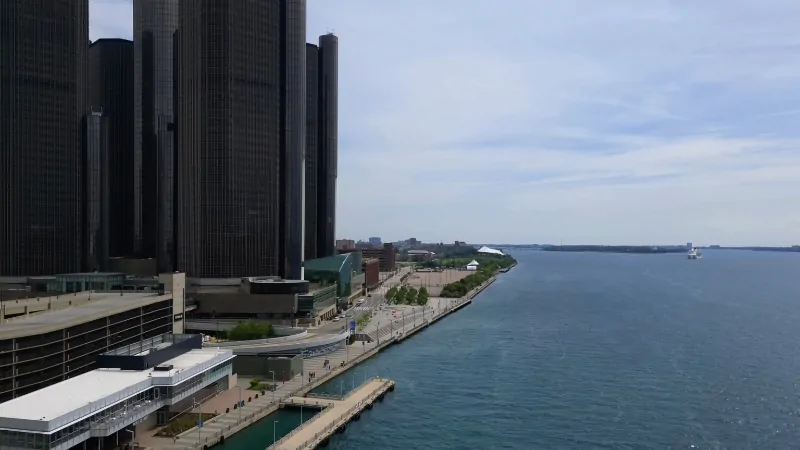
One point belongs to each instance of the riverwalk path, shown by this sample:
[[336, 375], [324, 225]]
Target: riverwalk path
[[385, 327]]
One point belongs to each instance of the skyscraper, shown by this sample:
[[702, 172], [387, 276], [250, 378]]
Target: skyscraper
[[328, 149], [293, 136], [43, 66], [111, 91], [312, 150], [155, 23], [241, 134], [96, 193]]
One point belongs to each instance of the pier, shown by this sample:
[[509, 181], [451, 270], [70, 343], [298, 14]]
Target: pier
[[334, 417]]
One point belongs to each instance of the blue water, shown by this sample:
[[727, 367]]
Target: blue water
[[591, 350]]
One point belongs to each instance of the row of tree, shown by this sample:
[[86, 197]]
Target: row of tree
[[407, 295], [489, 265]]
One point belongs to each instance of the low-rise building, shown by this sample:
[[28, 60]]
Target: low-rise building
[[134, 388], [420, 255], [372, 272], [385, 254], [270, 298]]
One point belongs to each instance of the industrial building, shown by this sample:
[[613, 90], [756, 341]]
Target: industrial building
[[46, 340], [133, 388]]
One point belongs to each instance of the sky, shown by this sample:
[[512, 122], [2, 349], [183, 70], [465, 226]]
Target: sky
[[506, 121]]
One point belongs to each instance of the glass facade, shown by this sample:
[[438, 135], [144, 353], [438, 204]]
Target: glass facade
[[312, 150], [95, 194], [155, 23], [235, 129], [328, 144], [111, 91], [293, 107], [43, 65], [110, 419]]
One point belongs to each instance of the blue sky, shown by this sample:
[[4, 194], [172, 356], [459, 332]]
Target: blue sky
[[534, 121]]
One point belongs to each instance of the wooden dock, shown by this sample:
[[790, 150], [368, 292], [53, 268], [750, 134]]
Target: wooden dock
[[334, 418]]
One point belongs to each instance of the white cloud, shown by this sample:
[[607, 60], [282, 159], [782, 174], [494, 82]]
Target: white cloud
[[531, 121]]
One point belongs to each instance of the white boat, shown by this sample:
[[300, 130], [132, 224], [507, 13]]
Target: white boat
[[694, 254]]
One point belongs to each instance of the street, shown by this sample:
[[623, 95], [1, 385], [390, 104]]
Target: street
[[371, 302]]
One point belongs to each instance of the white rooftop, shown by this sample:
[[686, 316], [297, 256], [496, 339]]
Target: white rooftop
[[473, 263], [486, 249], [97, 389]]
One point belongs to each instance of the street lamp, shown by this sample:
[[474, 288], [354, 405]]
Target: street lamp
[[240, 402], [199, 420], [378, 331], [274, 434], [133, 438], [273, 385]]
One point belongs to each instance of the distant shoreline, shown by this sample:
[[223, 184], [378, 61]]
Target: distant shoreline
[[637, 249]]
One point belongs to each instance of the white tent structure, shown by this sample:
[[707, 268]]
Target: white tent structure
[[473, 265], [489, 250]]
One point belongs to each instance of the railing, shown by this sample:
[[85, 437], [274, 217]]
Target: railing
[[344, 418], [252, 417], [336, 423]]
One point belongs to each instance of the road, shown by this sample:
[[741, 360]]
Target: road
[[370, 304]]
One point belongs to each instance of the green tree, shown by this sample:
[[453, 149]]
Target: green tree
[[411, 296], [422, 296], [391, 293], [400, 297], [250, 330]]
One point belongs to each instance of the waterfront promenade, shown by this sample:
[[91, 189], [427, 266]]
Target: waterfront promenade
[[334, 417], [383, 327]]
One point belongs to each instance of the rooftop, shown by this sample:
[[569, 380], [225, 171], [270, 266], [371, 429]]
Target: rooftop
[[95, 305], [63, 398]]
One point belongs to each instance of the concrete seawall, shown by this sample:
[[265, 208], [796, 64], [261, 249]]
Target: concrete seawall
[[336, 370]]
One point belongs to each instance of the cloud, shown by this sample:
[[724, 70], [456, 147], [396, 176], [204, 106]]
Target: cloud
[[646, 122]]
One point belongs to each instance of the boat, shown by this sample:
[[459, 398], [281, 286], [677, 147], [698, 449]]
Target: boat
[[694, 253]]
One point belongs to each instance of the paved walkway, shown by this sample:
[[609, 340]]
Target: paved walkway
[[340, 412], [380, 324]]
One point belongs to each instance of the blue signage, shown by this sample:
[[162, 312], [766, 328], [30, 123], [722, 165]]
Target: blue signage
[[353, 325]]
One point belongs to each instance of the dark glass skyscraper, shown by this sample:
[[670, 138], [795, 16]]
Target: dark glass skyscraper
[[96, 193], [155, 23], [328, 149], [111, 91], [43, 66], [241, 133], [293, 137], [312, 150]]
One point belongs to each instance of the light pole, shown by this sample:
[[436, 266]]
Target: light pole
[[240, 402], [133, 438], [378, 331], [342, 392], [274, 434], [273, 385], [199, 420]]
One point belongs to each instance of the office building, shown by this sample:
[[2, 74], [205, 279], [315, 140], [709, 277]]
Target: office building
[[111, 92], [311, 190], [43, 66], [241, 127], [96, 201], [47, 340], [328, 159], [385, 255], [322, 68], [155, 23], [133, 389]]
